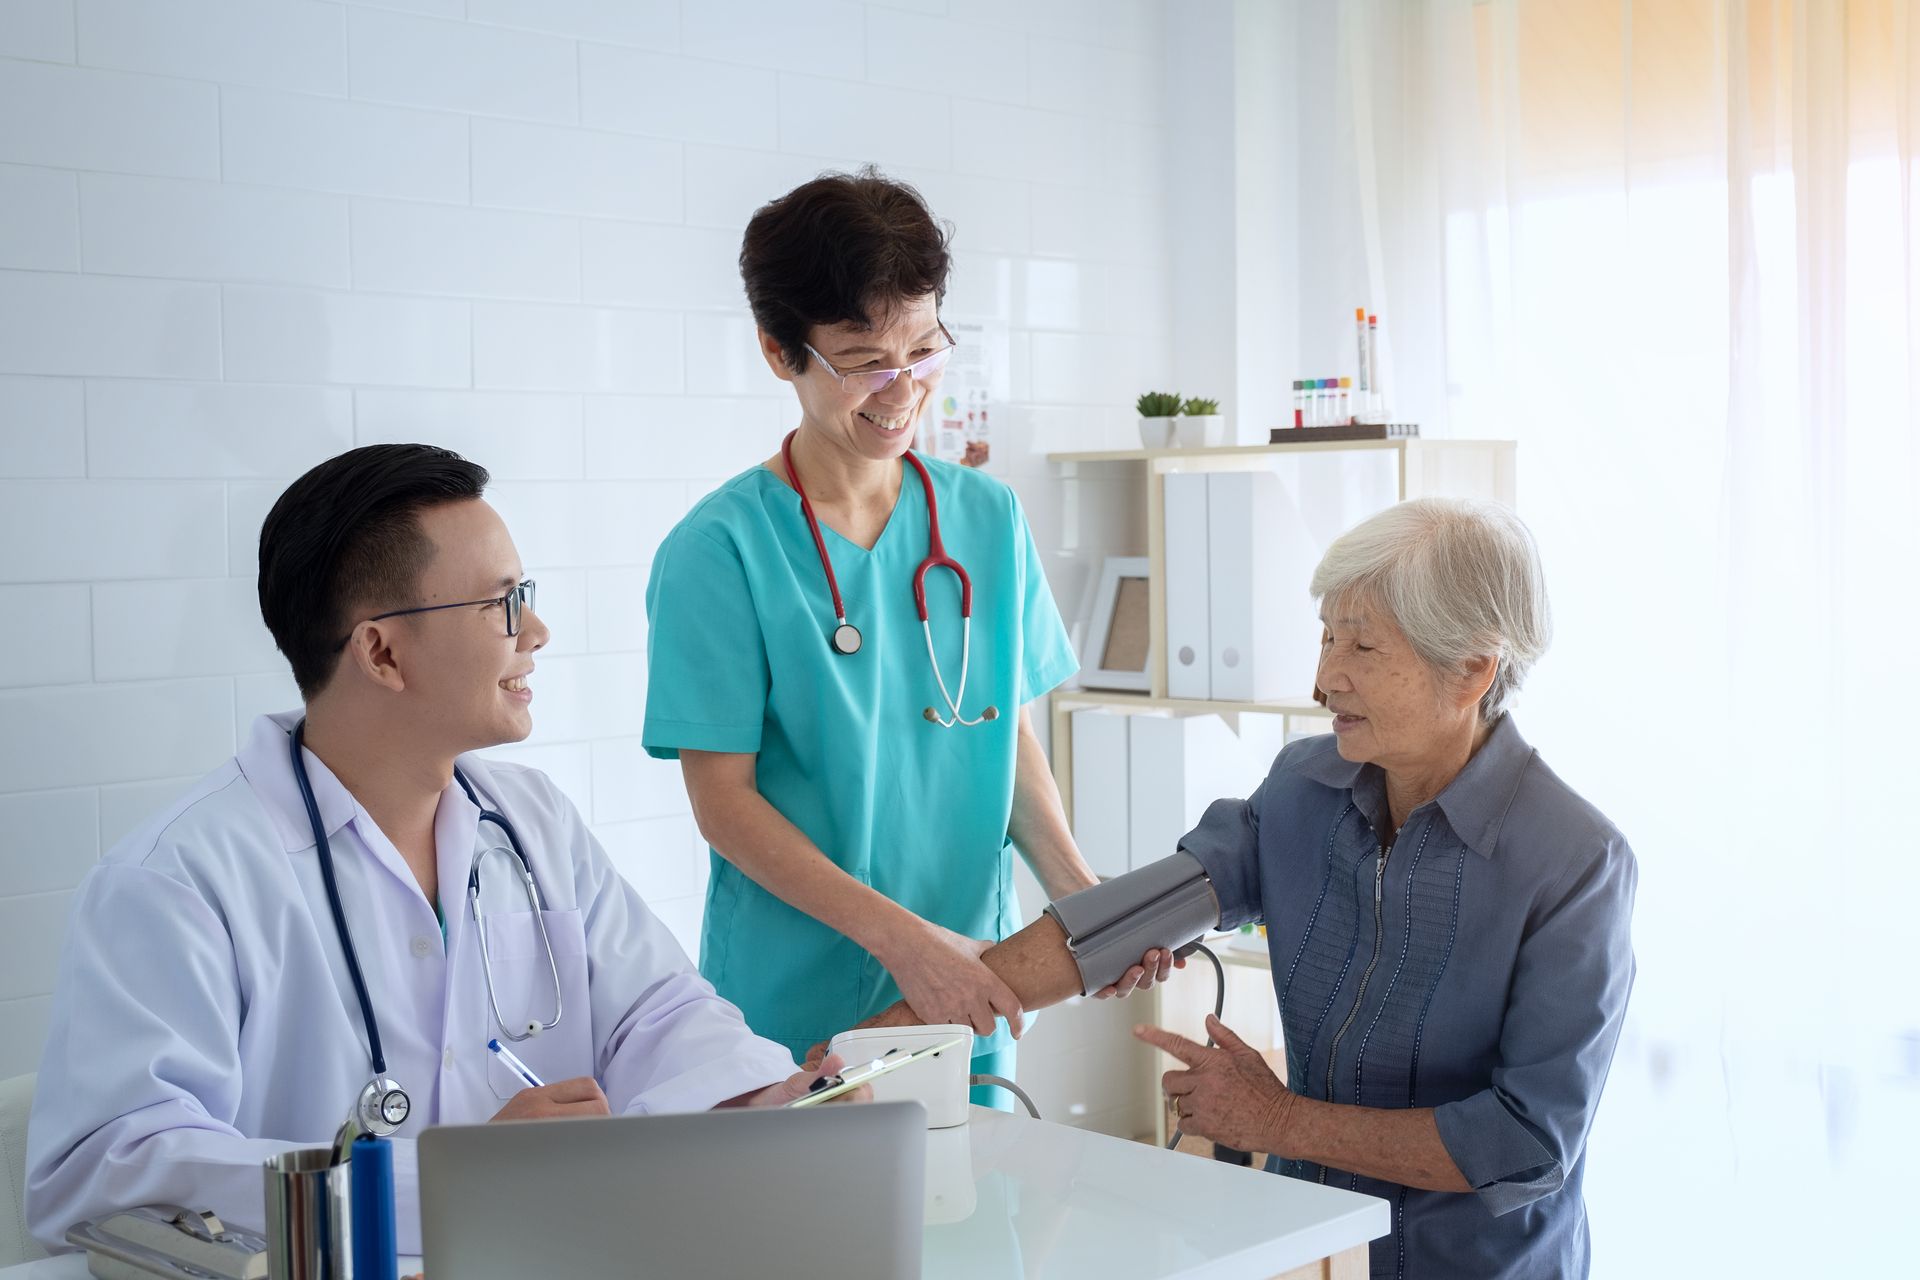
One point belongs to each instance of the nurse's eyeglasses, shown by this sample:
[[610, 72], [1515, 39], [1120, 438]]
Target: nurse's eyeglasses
[[516, 600], [868, 381]]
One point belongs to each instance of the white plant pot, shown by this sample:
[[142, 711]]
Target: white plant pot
[[1201, 431], [1157, 433]]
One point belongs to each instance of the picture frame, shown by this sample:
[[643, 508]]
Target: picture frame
[[1117, 651]]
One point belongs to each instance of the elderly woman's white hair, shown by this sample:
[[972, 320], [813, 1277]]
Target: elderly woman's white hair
[[1460, 579]]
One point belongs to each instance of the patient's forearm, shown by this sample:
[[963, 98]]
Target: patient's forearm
[[1035, 962]]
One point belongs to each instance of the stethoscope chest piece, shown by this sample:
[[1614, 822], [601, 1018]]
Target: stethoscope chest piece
[[383, 1106], [846, 639]]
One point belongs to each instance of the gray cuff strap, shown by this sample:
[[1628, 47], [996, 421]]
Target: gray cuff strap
[[1167, 904]]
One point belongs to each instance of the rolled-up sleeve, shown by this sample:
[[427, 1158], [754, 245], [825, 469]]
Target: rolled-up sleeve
[[1515, 1140], [1227, 844]]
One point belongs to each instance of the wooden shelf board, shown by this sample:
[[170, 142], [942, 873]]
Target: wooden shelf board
[[1191, 706], [1258, 450]]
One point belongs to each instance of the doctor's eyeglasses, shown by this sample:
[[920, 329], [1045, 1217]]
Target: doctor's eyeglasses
[[869, 381], [516, 601]]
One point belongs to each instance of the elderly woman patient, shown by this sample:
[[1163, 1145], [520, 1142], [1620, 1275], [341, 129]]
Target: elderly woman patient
[[1448, 920]]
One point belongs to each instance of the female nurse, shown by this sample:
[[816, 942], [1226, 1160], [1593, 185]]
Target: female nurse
[[861, 774]]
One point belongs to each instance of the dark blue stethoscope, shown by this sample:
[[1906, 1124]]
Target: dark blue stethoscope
[[383, 1105]]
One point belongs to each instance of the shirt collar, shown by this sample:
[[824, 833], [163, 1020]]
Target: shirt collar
[[1475, 802], [267, 762]]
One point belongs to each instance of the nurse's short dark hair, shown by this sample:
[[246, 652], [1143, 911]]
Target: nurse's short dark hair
[[843, 247], [346, 536]]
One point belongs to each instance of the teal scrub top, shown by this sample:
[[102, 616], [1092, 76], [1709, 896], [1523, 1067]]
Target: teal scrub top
[[739, 661]]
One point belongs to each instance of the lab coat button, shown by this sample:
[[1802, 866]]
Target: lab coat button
[[447, 1058], [423, 947]]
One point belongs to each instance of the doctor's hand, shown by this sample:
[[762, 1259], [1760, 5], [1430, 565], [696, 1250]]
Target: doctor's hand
[[580, 1096], [1227, 1094], [799, 1084], [897, 1014], [943, 978], [1156, 966]]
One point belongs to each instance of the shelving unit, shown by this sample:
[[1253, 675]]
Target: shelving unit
[[1423, 468]]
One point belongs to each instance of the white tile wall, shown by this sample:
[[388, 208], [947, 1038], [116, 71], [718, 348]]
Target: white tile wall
[[80, 324], [54, 837], [40, 231], [689, 99], [887, 126], [296, 46], [50, 644], [69, 530], [198, 627], [287, 140], [401, 247], [212, 429], [652, 24], [492, 427], [288, 335], [43, 427], [617, 612], [81, 735], [683, 267], [571, 348], [725, 185], [238, 236], [426, 62], [73, 118], [38, 29], [211, 231], [553, 169]]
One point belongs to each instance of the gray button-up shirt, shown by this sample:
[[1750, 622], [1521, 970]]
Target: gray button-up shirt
[[1480, 967]]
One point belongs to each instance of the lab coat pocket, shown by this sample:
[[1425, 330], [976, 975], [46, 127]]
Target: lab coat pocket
[[526, 989]]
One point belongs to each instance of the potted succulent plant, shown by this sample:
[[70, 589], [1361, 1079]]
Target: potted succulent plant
[[1201, 425], [1157, 412]]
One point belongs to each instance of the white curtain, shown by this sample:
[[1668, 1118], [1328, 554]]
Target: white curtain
[[1670, 247]]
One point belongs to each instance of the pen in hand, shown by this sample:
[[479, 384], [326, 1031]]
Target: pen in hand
[[514, 1064]]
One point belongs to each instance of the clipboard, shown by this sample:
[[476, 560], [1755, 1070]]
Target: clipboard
[[851, 1078], [167, 1240]]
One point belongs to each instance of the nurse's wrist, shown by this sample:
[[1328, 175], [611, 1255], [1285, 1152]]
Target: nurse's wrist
[[895, 934]]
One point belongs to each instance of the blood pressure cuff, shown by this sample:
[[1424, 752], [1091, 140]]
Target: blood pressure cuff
[[1169, 903]]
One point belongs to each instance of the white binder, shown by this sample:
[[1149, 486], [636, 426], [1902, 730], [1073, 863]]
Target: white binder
[[1248, 622], [1189, 668], [1179, 765], [1100, 787]]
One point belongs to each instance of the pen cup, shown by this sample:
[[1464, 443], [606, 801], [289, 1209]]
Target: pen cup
[[309, 1229]]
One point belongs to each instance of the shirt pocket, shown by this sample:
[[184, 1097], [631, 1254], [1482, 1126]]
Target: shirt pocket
[[524, 986]]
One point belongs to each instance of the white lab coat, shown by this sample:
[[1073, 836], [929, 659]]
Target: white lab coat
[[203, 1019]]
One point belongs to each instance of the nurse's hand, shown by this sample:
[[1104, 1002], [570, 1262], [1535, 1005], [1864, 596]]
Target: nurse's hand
[[580, 1096], [944, 980], [1156, 966]]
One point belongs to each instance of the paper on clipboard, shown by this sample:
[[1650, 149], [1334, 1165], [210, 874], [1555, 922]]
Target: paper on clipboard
[[861, 1073]]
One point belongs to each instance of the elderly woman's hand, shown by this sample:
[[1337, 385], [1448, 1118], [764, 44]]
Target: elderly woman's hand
[[1156, 966], [1227, 1094]]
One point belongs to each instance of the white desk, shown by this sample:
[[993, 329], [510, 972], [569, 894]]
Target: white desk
[[1012, 1197]]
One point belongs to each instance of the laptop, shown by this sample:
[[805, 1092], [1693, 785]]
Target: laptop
[[831, 1191]]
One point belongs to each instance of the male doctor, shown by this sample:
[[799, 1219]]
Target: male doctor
[[206, 1016]]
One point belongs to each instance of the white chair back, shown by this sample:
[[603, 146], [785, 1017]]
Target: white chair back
[[16, 1100]]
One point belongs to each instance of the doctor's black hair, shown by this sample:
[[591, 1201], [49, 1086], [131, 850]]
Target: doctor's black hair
[[843, 247], [345, 536]]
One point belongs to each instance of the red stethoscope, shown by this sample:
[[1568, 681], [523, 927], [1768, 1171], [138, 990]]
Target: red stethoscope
[[846, 637]]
